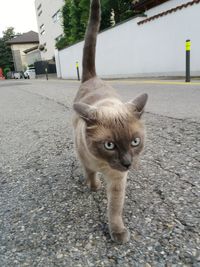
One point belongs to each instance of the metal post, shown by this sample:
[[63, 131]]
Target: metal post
[[77, 68], [46, 72], [187, 49]]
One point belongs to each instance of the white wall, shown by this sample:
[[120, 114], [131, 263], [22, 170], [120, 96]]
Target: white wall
[[156, 48]]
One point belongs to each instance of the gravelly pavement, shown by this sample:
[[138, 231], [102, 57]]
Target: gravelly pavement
[[48, 218]]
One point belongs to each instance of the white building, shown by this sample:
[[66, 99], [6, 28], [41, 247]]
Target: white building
[[143, 46], [24, 50], [49, 20]]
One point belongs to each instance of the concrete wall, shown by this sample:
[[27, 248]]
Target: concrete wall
[[20, 60], [156, 48], [33, 56], [17, 60], [51, 29]]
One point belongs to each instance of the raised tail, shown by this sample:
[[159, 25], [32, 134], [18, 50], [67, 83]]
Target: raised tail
[[89, 50]]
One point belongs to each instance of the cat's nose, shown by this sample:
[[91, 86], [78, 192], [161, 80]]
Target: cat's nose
[[126, 162]]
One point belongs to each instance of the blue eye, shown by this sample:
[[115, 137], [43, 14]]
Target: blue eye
[[109, 145], [136, 142]]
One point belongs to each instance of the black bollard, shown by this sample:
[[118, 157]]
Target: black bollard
[[77, 69], [187, 49], [46, 72]]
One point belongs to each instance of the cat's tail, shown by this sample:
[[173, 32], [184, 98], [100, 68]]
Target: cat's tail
[[89, 50]]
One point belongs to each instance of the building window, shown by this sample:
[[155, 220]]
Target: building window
[[42, 32], [42, 27], [38, 8], [40, 13], [56, 17]]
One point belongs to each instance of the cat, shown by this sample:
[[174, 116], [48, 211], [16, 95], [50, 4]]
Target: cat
[[109, 134]]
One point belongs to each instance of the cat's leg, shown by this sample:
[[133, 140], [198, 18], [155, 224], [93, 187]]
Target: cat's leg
[[92, 180], [116, 185]]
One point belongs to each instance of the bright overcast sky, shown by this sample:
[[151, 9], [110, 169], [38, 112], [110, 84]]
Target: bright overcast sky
[[19, 14]]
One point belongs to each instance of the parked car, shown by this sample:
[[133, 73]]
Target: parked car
[[26, 75], [18, 75], [29, 73]]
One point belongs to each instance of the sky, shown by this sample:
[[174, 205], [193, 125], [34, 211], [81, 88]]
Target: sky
[[19, 14]]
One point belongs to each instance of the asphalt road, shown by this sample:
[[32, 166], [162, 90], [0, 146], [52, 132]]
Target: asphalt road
[[48, 218]]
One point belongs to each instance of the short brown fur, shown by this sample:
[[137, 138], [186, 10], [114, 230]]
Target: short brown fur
[[109, 135]]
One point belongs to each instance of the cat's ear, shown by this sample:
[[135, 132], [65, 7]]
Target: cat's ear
[[86, 112], [137, 105]]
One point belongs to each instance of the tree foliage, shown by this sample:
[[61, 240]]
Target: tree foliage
[[6, 59], [76, 12], [121, 8]]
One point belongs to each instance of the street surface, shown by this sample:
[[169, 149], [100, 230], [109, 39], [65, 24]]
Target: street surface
[[48, 218]]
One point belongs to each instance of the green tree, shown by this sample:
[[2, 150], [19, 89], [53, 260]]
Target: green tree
[[66, 39], [75, 17], [76, 27], [6, 59], [66, 13], [105, 15], [84, 6], [122, 9], [62, 42]]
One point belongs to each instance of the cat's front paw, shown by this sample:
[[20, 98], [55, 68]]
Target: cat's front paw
[[120, 237], [94, 185]]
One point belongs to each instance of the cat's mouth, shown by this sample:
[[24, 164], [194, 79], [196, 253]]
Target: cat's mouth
[[120, 167]]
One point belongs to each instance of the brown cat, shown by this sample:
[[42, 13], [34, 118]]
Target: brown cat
[[109, 135]]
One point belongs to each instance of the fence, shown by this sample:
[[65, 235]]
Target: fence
[[42, 66]]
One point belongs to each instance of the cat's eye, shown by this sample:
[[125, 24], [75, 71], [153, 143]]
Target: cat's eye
[[109, 145], [136, 142]]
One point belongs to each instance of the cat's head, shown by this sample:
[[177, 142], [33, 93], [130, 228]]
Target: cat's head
[[115, 135]]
